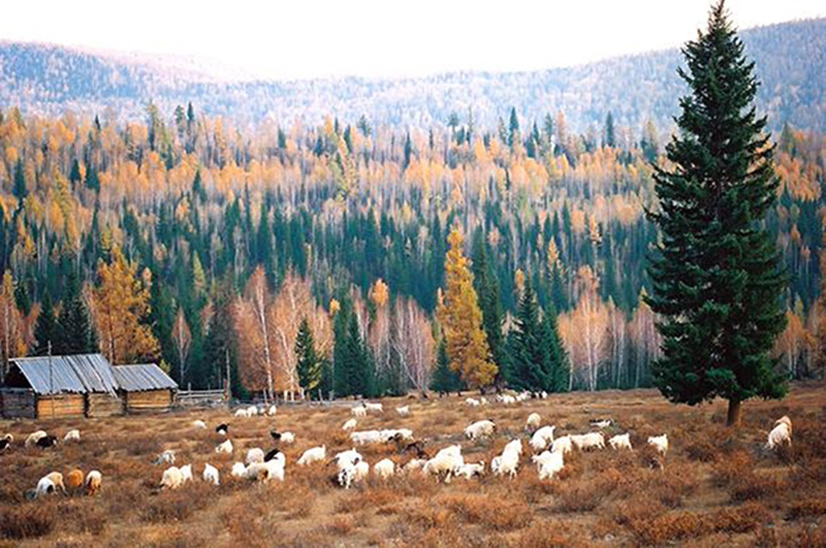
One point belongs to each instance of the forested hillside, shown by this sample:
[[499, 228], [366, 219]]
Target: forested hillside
[[790, 61], [207, 245]]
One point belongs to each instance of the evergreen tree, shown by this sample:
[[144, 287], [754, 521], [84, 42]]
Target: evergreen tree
[[560, 367], [308, 365], [716, 277], [45, 329], [530, 357], [610, 139], [444, 380], [487, 287], [19, 181], [75, 332], [219, 345]]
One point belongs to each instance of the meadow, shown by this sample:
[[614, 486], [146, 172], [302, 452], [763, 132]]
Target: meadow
[[718, 486]]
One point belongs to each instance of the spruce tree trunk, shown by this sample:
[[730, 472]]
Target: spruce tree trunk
[[734, 409]]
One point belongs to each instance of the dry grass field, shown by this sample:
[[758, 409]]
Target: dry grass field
[[718, 487]]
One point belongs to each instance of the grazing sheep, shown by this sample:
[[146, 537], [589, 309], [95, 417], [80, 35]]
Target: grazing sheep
[[346, 462], [373, 407], [508, 461], [225, 447], [94, 479], [199, 424], [350, 424], [167, 457], [273, 453], [473, 402], [211, 474], [532, 424], [72, 435], [592, 440], [781, 434], [272, 410], [44, 487], [513, 445], [239, 470], [172, 478], [601, 423], [34, 437], [288, 437], [561, 445], [544, 395], [622, 441], [385, 468], [506, 399], [480, 429], [549, 464], [252, 411], [418, 447], [275, 468], [469, 470], [483, 400], [242, 413], [403, 411], [222, 429], [47, 441], [359, 411], [523, 396], [74, 479], [542, 438], [312, 455], [186, 473], [366, 436], [445, 464], [265, 471], [57, 480], [413, 465], [5, 442], [660, 443], [256, 454]]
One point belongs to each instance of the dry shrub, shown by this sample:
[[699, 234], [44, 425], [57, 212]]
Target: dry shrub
[[734, 466], [750, 486], [701, 450], [340, 526], [587, 496], [808, 508], [666, 528], [742, 519], [492, 513], [549, 535], [175, 505], [27, 521]]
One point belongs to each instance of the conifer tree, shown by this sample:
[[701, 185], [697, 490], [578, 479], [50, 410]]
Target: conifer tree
[[461, 320], [530, 357], [444, 380], [45, 329], [487, 288], [557, 356], [308, 365], [717, 281], [75, 332]]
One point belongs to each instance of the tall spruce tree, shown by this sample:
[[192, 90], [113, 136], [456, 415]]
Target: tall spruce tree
[[444, 380], [487, 287], [46, 328], [75, 332], [557, 356], [530, 355], [716, 276], [308, 366]]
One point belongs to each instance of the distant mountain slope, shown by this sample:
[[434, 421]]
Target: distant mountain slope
[[790, 60]]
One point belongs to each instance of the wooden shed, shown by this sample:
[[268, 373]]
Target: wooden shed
[[145, 387], [60, 386]]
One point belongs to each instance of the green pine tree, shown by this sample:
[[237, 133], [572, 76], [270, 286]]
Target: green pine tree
[[530, 357], [308, 365], [716, 277], [490, 301], [557, 356], [76, 334], [444, 380], [46, 328]]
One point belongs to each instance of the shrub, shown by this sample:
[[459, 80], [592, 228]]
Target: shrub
[[27, 521]]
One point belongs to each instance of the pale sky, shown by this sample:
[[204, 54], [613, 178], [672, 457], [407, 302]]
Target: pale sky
[[376, 38]]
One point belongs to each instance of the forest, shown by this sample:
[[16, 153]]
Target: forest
[[306, 259]]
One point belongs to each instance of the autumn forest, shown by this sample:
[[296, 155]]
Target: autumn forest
[[309, 259]]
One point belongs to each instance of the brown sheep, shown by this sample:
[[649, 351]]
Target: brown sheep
[[74, 479]]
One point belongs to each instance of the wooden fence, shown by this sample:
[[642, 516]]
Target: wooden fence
[[205, 398]]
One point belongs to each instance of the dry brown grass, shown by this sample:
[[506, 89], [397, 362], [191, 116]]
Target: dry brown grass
[[717, 487]]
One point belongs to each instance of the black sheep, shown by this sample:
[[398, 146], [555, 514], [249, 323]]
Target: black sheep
[[275, 435], [47, 441], [271, 454], [4, 444], [222, 429]]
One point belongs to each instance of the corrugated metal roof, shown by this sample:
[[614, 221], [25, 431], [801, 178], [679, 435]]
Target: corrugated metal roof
[[79, 374], [145, 376]]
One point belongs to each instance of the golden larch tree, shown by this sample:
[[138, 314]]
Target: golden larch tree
[[461, 319]]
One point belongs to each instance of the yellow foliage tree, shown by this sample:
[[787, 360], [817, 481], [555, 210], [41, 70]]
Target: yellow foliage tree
[[461, 319], [121, 307]]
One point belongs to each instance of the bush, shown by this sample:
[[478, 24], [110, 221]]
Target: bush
[[27, 521]]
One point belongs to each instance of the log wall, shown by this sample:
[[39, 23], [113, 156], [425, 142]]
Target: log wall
[[17, 403], [149, 400], [103, 405], [64, 405]]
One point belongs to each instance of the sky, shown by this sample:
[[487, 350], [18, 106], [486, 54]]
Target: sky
[[381, 38]]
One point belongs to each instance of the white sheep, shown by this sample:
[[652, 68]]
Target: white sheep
[[660, 443], [544, 395], [513, 445], [413, 465], [172, 478], [473, 402], [272, 410], [167, 457], [252, 411], [403, 411], [44, 487], [256, 454], [480, 429], [621, 441], [385, 468], [601, 423], [72, 435], [34, 437], [224, 448], [373, 407], [446, 462], [542, 438], [352, 472], [359, 411], [549, 464], [506, 463], [239, 470], [533, 421], [471, 470], [241, 413], [287, 437], [506, 399], [198, 424], [275, 468], [483, 400], [366, 436], [211, 474], [94, 479], [350, 424], [781, 433], [186, 473], [591, 440], [561, 445], [312, 455], [523, 396], [346, 462]]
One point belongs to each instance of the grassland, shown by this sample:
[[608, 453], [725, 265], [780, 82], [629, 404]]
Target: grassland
[[718, 486]]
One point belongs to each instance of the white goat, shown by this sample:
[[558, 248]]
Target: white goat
[[533, 422], [359, 411], [199, 424], [72, 435], [621, 441], [446, 462], [211, 474], [373, 407], [549, 464], [480, 429], [473, 402], [287, 437], [312, 455], [172, 478], [94, 479], [542, 438], [781, 434], [660, 443], [238, 470], [403, 411], [224, 448], [471, 470], [561, 445], [186, 473], [272, 410], [385, 468], [256, 454], [34, 437], [350, 424], [591, 440]]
